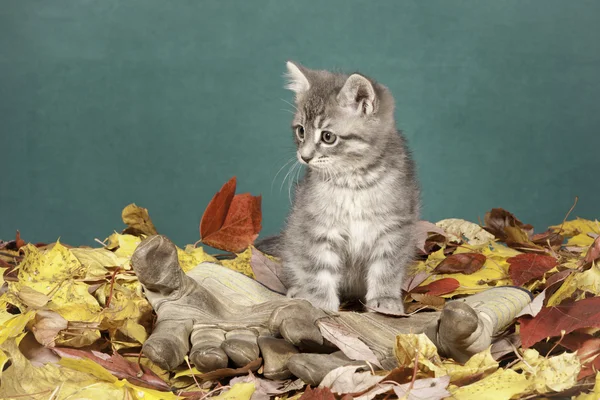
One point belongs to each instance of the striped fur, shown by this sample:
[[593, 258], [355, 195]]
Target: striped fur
[[350, 233]]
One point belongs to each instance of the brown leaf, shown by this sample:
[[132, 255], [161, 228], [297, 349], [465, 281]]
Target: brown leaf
[[118, 366], [439, 287], [13, 244], [498, 219], [138, 220], [267, 271], [552, 320], [32, 298], [46, 326], [231, 222], [229, 372], [593, 252], [429, 300], [588, 351], [414, 281], [465, 263], [525, 267], [347, 342], [317, 394], [542, 239], [423, 228]]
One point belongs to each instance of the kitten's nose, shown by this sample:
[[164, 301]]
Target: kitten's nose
[[306, 159]]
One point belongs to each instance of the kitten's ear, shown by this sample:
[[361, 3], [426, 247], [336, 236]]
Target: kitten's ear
[[297, 81], [358, 93]]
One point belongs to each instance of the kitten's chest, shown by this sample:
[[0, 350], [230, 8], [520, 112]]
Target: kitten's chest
[[353, 219]]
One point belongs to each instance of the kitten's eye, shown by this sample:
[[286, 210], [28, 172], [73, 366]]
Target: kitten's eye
[[328, 137], [300, 132]]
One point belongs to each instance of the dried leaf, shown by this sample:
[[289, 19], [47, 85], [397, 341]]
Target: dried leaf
[[47, 325], [138, 219], [422, 230], [534, 307], [552, 320], [439, 287], [466, 263], [317, 394], [593, 252], [267, 271], [525, 267], [344, 380], [576, 227], [421, 389], [413, 281], [231, 222], [429, 300], [115, 364], [347, 342], [460, 230], [498, 219], [266, 387], [32, 298]]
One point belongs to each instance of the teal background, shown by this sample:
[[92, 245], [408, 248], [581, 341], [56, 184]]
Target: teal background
[[107, 102]]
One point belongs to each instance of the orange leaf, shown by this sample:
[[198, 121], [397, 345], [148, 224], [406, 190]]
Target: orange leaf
[[231, 222], [216, 211]]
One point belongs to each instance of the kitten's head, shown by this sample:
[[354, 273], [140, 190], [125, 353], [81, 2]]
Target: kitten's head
[[342, 122]]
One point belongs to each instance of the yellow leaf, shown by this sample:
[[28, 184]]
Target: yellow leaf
[[546, 375], [581, 240], [501, 385], [241, 263], [479, 363], [138, 218], [577, 226], [22, 380], [593, 395], [239, 391], [408, 345], [187, 372], [587, 281], [191, 256], [15, 325], [127, 245], [96, 261], [461, 230]]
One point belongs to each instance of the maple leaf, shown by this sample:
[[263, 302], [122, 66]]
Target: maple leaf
[[439, 287], [551, 321], [231, 222], [137, 220], [526, 267], [466, 263]]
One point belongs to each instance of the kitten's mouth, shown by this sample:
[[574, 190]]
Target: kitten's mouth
[[319, 163]]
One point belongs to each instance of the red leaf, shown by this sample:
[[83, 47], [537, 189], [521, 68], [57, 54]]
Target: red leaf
[[552, 320], [466, 263], [216, 211], [439, 287], [231, 222], [526, 267], [118, 366], [588, 351], [317, 394]]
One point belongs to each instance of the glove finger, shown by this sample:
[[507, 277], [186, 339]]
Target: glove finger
[[241, 346], [207, 354], [169, 343]]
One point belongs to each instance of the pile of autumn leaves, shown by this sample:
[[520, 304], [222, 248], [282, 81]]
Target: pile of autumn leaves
[[72, 320]]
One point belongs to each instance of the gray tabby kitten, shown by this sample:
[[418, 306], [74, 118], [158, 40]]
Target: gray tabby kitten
[[350, 233]]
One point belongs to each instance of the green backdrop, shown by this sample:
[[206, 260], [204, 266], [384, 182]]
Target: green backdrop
[[107, 102]]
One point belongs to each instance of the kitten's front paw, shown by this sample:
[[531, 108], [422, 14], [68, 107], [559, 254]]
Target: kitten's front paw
[[386, 305], [328, 304]]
